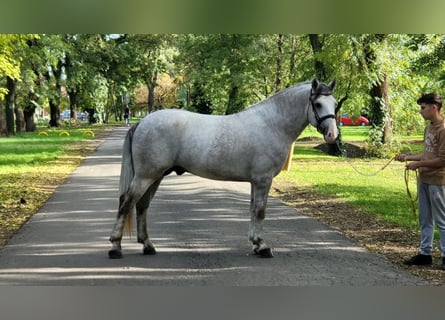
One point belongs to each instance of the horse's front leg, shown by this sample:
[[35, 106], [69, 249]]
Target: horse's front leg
[[259, 194]]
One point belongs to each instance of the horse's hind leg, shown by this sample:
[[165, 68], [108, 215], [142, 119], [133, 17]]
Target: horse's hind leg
[[259, 193], [127, 202], [141, 211]]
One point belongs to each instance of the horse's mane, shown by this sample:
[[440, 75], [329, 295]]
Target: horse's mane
[[286, 90], [277, 95]]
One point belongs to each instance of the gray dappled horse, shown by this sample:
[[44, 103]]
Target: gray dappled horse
[[250, 146]]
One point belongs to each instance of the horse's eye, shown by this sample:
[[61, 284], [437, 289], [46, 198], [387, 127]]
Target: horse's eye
[[318, 105]]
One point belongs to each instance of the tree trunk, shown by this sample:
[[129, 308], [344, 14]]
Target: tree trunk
[[119, 108], [151, 98], [3, 129], [279, 63], [10, 105], [151, 84], [292, 62], [19, 119], [54, 102], [116, 112], [233, 104], [317, 48], [109, 106], [28, 113], [380, 115], [72, 94], [54, 114], [91, 117], [54, 107]]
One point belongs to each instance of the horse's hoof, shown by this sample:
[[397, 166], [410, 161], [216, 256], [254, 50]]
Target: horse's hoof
[[265, 253], [149, 251], [115, 254]]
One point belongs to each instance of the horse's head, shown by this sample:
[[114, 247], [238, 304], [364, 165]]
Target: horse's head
[[322, 111]]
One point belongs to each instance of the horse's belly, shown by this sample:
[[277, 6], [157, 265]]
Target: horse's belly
[[206, 164], [219, 174]]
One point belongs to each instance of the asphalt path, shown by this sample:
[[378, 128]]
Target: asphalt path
[[199, 228]]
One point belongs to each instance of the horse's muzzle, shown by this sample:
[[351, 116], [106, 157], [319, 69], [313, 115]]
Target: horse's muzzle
[[330, 138], [331, 133]]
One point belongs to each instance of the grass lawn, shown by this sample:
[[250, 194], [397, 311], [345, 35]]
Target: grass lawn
[[349, 133], [357, 181], [32, 165]]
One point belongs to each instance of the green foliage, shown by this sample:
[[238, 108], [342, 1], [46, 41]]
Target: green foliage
[[217, 65], [376, 148], [224, 73], [382, 193], [12, 48]]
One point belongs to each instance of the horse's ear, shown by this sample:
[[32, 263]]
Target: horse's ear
[[315, 85], [332, 84]]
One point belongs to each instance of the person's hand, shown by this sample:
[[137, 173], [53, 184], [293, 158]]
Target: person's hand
[[412, 165], [401, 157]]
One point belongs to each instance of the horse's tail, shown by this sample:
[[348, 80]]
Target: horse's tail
[[127, 174]]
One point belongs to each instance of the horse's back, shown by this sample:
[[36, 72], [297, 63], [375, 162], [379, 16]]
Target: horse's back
[[176, 126]]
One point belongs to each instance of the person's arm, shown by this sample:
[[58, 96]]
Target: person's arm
[[433, 163], [437, 162], [414, 158], [406, 157]]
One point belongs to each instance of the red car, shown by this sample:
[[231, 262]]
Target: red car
[[347, 121]]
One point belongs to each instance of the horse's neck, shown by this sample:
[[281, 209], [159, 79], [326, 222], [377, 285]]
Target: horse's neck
[[287, 111]]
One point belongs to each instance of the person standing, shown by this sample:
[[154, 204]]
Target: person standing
[[127, 116], [431, 184]]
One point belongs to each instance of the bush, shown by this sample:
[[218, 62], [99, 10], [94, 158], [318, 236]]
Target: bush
[[375, 148]]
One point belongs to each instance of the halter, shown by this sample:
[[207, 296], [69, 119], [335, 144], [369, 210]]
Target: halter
[[319, 119]]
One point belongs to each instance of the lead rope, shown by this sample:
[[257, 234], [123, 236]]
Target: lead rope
[[345, 156], [412, 201]]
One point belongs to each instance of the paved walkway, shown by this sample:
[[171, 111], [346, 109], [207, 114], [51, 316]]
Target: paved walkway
[[199, 228]]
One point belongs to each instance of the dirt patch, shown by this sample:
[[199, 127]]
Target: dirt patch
[[350, 150], [378, 236]]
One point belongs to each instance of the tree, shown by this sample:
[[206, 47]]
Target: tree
[[12, 53], [32, 88], [148, 61], [373, 46], [54, 76], [231, 71], [52, 49], [393, 85], [86, 63], [98, 74]]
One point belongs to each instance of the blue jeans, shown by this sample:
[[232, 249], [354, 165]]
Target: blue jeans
[[431, 210]]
